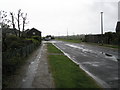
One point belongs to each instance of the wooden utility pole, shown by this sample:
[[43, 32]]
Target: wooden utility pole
[[67, 33]]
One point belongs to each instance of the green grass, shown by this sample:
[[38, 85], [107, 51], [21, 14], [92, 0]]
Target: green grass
[[79, 41], [104, 45], [52, 49], [71, 40], [111, 46], [67, 74]]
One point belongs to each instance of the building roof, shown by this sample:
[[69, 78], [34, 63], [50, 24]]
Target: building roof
[[32, 29]]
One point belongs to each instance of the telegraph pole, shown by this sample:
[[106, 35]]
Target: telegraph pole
[[67, 33], [102, 28]]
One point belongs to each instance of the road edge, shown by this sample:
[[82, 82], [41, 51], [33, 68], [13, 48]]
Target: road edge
[[98, 81]]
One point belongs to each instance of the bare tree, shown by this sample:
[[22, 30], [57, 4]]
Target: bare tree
[[12, 16], [13, 22], [18, 20], [24, 21], [24, 18]]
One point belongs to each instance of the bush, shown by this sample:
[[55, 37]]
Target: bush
[[37, 38], [14, 53], [36, 42], [12, 42], [11, 38], [10, 65]]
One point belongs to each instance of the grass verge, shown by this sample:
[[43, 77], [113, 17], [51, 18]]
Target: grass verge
[[79, 41], [104, 45], [67, 74]]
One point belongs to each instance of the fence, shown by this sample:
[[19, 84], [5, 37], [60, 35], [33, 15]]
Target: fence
[[112, 39], [14, 58], [22, 52]]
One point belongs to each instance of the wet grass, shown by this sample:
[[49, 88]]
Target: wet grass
[[79, 41], [67, 74], [52, 49], [104, 45], [111, 46]]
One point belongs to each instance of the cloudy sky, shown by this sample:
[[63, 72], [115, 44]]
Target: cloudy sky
[[53, 17]]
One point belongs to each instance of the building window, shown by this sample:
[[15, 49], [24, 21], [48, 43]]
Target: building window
[[33, 33]]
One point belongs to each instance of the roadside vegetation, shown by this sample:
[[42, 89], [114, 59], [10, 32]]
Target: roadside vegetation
[[14, 54], [17, 42], [108, 39], [67, 74], [104, 45], [82, 41]]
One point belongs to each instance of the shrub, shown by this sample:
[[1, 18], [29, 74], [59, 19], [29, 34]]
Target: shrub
[[36, 42], [37, 38], [10, 65], [11, 38]]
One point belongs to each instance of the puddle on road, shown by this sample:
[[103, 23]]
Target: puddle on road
[[51, 41], [112, 58], [109, 56], [95, 64], [106, 55], [82, 48], [30, 74]]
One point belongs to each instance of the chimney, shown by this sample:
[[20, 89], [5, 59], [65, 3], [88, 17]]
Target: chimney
[[118, 23]]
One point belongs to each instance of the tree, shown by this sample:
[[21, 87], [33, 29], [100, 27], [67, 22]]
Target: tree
[[4, 22], [13, 22], [24, 18], [18, 20], [109, 37]]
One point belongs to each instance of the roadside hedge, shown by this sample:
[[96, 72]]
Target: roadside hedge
[[15, 53]]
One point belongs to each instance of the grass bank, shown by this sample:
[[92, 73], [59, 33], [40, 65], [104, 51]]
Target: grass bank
[[67, 74]]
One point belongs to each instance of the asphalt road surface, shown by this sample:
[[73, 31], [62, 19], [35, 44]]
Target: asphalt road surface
[[101, 63]]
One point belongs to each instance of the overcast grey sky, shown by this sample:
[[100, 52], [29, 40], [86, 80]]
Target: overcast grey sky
[[53, 17]]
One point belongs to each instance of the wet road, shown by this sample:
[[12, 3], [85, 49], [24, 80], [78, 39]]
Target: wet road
[[99, 62]]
